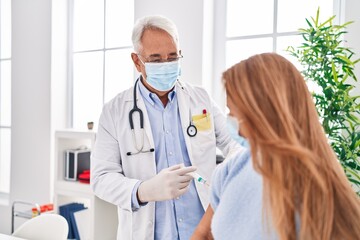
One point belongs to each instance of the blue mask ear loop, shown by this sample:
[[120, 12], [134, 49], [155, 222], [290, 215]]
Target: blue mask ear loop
[[132, 111]]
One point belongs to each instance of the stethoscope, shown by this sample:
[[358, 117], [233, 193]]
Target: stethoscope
[[135, 109], [191, 129]]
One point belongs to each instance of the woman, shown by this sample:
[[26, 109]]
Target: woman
[[290, 185]]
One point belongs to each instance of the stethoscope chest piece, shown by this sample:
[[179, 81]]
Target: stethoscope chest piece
[[191, 130]]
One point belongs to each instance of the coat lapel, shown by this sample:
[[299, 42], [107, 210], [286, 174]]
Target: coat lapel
[[184, 109], [147, 127]]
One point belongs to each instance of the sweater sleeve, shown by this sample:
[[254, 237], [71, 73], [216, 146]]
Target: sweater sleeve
[[224, 173]]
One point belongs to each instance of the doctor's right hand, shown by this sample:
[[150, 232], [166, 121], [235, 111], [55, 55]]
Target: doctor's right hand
[[168, 184]]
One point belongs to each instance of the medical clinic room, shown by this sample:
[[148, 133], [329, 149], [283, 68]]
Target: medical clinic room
[[179, 119]]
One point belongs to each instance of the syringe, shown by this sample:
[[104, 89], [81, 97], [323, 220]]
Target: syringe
[[199, 178]]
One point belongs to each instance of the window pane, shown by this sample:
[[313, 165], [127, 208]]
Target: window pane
[[88, 85], [241, 49], [294, 41], [119, 23], [284, 42], [5, 143], [119, 72], [5, 93], [88, 28], [5, 28], [292, 14], [249, 17]]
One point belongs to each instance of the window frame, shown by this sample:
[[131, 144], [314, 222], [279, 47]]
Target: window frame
[[70, 57], [220, 41]]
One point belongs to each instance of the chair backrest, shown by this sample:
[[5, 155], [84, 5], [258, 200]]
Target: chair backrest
[[44, 227]]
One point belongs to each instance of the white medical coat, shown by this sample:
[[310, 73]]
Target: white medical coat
[[114, 173]]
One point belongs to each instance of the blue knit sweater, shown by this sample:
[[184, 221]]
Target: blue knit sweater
[[236, 197]]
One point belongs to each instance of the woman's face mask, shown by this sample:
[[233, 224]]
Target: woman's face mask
[[234, 127], [162, 76]]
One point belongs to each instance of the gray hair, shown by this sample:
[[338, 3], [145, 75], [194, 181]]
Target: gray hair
[[153, 22]]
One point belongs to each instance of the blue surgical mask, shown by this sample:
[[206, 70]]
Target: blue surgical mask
[[233, 127], [162, 76]]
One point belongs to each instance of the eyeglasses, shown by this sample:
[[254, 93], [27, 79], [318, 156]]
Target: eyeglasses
[[158, 59]]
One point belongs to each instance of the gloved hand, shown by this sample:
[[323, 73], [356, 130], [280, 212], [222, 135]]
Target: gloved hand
[[168, 184]]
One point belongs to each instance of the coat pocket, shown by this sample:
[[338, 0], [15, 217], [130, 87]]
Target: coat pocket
[[202, 122]]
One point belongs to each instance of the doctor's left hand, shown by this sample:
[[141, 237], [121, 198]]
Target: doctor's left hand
[[168, 184]]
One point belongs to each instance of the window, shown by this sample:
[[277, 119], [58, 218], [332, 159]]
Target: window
[[100, 63], [268, 26], [244, 28], [5, 95]]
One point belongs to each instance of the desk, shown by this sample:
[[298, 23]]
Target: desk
[[9, 237]]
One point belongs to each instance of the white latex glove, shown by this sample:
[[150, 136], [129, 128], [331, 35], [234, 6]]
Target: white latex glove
[[168, 184]]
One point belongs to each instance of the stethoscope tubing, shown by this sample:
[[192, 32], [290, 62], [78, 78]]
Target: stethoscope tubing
[[191, 129], [134, 110]]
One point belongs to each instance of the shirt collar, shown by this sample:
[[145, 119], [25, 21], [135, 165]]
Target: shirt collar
[[150, 97]]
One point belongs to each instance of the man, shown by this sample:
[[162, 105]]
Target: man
[[152, 137]]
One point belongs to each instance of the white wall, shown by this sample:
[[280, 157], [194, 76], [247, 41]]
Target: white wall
[[33, 118], [352, 38], [188, 17]]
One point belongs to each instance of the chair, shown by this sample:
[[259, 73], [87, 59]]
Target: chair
[[44, 227]]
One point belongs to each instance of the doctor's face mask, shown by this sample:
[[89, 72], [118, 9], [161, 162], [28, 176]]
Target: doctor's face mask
[[163, 75]]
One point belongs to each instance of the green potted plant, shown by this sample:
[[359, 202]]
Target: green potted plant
[[329, 65]]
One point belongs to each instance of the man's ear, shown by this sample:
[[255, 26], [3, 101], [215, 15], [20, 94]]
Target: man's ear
[[136, 61]]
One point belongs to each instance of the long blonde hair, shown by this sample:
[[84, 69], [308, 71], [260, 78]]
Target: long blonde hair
[[301, 174]]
